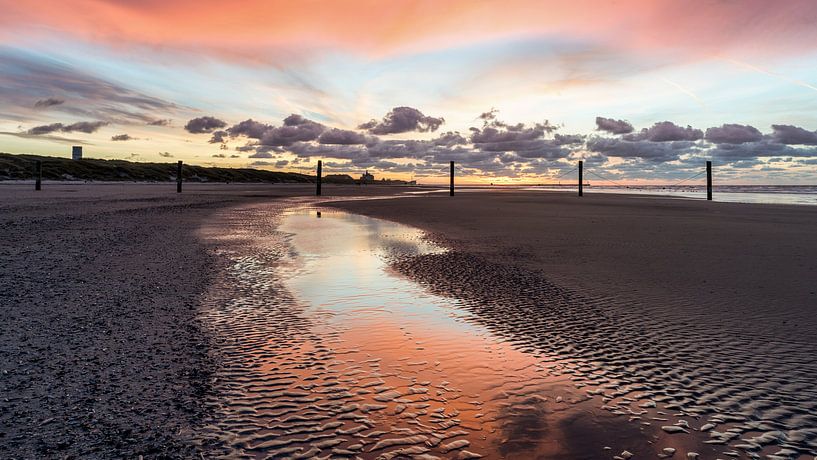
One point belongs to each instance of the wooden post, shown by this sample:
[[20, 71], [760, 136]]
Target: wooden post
[[38, 184], [709, 180], [581, 178], [318, 181], [451, 187], [179, 177]]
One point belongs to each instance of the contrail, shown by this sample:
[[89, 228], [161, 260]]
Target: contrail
[[773, 74], [685, 91]]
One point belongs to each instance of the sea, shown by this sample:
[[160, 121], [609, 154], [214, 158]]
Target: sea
[[775, 194]]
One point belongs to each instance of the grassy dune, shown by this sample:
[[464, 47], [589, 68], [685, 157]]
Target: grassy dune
[[17, 167]]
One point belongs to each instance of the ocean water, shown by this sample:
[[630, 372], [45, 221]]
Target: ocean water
[[773, 194]]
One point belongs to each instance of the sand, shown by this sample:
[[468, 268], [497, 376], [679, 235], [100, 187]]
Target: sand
[[102, 352], [141, 322], [705, 310]]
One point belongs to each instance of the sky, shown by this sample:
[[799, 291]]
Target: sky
[[513, 91]]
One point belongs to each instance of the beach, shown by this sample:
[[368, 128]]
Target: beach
[[256, 320]]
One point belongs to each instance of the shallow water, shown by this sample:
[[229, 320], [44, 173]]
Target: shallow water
[[411, 364], [329, 351]]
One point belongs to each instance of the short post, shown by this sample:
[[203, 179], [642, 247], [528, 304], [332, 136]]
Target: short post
[[318, 181], [38, 184], [581, 178], [179, 177], [709, 180], [451, 187]]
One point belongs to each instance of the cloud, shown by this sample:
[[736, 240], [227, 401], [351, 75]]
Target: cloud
[[652, 151], [219, 155], [160, 122], [754, 150], [526, 141], [341, 137], [27, 76], [666, 131], [87, 127], [122, 137], [60, 139], [203, 125], [402, 120], [733, 134], [295, 129], [497, 148], [165, 154], [613, 126], [788, 134], [569, 139], [46, 129], [249, 128], [50, 102], [218, 137]]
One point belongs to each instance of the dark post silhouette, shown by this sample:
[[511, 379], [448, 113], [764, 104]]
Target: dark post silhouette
[[581, 178], [38, 184], [318, 181], [709, 180], [451, 187], [179, 177]]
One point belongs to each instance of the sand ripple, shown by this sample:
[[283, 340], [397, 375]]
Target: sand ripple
[[475, 360]]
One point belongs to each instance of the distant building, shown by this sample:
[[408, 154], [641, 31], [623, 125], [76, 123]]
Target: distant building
[[76, 152], [366, 178]]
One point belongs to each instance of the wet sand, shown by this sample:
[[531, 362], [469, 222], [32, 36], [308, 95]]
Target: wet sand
[[515, 326], [704, 311], [102, 352]]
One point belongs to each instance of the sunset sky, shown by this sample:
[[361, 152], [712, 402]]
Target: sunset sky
[[514, 91]]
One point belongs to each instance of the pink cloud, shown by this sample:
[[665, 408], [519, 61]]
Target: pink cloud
[[375, 28]]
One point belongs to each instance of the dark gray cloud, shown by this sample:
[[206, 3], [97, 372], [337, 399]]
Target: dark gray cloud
[[46, 129], [568, 139], [60, 139], [203, 125], [249, 128], [218, 137], [295, 129], [754, 150], [165, 154], [403, 120], [122, 137], [613, 126], [653, 151], [49, 102], [302, 131], [341, 137], [87, 127], [160, 122], [788, 134], [526, 141], [733, 134], [666, 131]]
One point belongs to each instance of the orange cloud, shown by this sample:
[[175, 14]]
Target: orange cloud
[[379, 28]]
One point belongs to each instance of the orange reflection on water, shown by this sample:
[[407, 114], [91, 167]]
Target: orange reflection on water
[[378, 367]]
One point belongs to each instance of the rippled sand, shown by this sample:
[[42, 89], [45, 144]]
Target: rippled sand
[[330, 349]]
